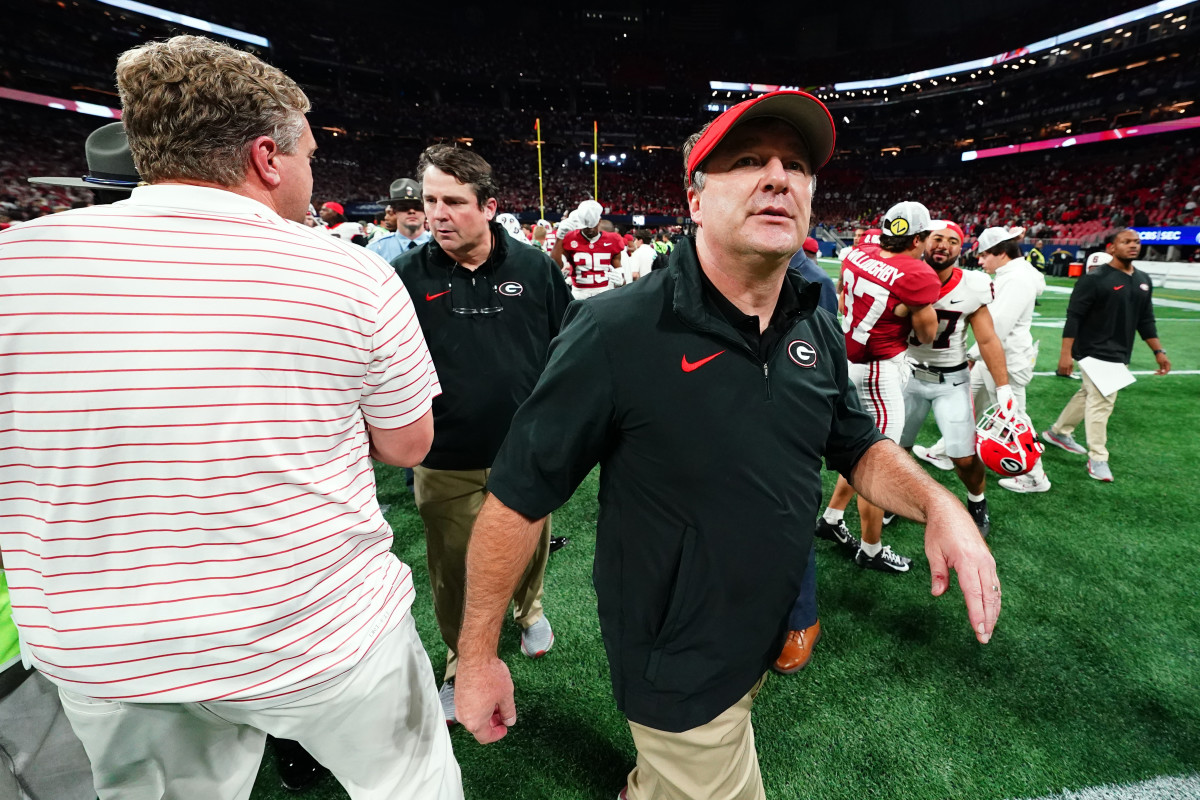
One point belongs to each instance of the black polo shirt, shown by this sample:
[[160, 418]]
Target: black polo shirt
[[787, 308], [710, 455], [488, 331], [1106, 307]]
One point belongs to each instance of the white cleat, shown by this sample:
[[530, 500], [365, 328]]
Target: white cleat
[[928, 455], [1026, 484]]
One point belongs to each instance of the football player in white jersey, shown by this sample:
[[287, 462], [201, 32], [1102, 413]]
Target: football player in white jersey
[[941, 378]]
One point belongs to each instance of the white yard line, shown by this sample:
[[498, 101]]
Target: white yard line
[[1132, 372], [1185, 304], [1185, 788]]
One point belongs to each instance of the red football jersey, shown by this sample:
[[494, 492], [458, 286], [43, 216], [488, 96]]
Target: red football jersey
[[873, 287], [591, 261]]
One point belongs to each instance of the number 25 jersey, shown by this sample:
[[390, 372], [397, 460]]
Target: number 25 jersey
[[873, 286], [591, 260]]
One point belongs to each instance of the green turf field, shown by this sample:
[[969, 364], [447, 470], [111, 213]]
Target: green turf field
[[1092, 677]]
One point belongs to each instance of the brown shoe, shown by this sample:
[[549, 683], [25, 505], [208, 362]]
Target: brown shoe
[[797, 650]]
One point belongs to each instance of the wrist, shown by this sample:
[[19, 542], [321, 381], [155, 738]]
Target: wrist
[[1160, 352]]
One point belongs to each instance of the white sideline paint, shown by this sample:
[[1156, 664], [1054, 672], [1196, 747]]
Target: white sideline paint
[[1184, 304], [1132, 372], [1183, 788], [1058, 323]]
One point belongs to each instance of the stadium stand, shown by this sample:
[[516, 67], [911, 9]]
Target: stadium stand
[[372, 121]]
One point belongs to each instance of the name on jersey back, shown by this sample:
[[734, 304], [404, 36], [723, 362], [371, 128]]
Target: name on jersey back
[[885, 272]]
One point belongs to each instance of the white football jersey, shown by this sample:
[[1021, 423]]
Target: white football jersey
[[960, 297]]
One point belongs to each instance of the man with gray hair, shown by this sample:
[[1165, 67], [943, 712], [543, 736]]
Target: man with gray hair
[[201, 560], [710, 436]]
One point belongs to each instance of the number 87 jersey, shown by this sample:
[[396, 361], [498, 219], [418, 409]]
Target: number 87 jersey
[[872, 287]]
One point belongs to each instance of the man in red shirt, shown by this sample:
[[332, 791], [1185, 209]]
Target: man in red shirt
[[887, 292], [591, 254]]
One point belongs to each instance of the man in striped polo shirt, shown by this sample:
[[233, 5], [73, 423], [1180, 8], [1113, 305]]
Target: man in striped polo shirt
[[196, 386]]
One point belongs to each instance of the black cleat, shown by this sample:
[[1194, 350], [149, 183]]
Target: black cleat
[[298, 770], [884, 561], [979, 513], [839, 534]]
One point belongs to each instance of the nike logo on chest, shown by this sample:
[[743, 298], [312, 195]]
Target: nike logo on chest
[[692, 366]]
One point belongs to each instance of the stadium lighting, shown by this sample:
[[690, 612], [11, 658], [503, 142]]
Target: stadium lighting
[[1052, 44], [191, 22], [612, 159], [78, 106], [1085, 138]]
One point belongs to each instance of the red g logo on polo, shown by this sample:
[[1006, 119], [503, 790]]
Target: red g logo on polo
[[510, 288], [802, 353]]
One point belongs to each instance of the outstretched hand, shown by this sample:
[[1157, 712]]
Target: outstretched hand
[[483, 699], [952, 542]]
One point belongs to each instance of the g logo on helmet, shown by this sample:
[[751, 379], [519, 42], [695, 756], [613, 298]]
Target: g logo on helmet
[[898, 227], [1012, 466], [510, 288], [1007, 444]]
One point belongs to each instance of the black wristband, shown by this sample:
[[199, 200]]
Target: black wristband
[[1160, 350]]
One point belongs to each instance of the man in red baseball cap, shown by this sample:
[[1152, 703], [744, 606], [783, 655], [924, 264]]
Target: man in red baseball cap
[[711, 435], [334, 216]]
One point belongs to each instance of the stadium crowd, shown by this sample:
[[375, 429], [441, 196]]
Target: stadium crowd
[[363, 144]]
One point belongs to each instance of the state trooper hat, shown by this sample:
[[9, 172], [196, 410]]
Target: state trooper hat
[[110, 164], [403, 190]]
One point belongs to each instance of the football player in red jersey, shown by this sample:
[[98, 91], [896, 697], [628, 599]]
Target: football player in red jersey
[[591, 254], [887, 292]]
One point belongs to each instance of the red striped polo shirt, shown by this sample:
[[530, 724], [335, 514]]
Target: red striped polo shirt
[[187, 503]]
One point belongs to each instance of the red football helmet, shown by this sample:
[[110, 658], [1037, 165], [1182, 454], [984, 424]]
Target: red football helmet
[[1007, 445]]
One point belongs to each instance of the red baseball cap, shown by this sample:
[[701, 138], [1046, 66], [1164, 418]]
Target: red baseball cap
[[801, 110], [335, 207], [811, 246], [945, 224]]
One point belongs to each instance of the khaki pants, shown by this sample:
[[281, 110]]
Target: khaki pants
[[1094, 409], [379, 728], [448, 501], [715, 761]]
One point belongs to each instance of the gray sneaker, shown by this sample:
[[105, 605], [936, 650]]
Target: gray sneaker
[[446, 695], [1099, 470], [1064, 440], [537, 639]]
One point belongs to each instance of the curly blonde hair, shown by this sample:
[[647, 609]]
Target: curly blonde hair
[[191, 107]]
